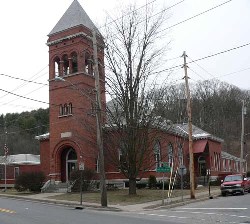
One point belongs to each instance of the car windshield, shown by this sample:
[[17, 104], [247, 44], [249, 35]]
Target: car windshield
[[232, 178]]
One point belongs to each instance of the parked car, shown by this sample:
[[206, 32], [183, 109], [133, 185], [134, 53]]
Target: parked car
[[235, 183]]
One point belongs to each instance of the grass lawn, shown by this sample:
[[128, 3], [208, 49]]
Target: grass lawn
[[120, 197], [123, 198]]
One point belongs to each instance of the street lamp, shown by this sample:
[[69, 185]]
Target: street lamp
[[99, 138]]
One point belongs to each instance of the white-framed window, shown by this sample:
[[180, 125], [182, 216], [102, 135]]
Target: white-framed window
[[122, 156], [230, 165], [157, 154], [16, 172], [224, 164], [180, 154], [170, 153], [215, 162]]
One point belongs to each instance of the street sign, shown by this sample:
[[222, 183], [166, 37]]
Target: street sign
[[81, 166], [182, 170], [165, 169]]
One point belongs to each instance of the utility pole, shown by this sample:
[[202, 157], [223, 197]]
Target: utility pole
[[6, 154], [103, 188], [243, 112], [191, 154]]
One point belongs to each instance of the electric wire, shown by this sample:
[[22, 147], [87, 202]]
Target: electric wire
[[39, 101], [202, 68], [188, 20], [199, 14], [208, 56]]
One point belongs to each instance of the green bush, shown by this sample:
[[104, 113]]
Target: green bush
[[159, 184], [32, 181], [152, 181], [87, 177], [141, 185]]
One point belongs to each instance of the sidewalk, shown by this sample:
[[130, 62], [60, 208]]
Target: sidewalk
[[173, 202]]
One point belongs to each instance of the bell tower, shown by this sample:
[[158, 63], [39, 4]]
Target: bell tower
[[72, 94]]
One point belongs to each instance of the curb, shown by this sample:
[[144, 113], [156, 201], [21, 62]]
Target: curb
[[65, 203], [180, 203], [85, 205]]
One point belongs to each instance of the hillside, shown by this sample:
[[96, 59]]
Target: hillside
[[216, 108]]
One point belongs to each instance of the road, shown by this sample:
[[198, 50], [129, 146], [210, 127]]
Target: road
[[13, 211], [231, 209]]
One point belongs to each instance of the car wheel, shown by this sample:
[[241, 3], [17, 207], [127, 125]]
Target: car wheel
[[249, 190], [224, 194]]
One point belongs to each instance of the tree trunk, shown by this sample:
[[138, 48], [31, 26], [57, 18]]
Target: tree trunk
[[132, 186]]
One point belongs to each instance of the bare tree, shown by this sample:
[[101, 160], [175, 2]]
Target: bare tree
[[134, 53]]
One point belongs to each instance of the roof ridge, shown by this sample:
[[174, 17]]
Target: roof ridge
[[74, 16]]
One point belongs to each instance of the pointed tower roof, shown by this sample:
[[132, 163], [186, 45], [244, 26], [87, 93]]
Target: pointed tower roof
[[74, 16]]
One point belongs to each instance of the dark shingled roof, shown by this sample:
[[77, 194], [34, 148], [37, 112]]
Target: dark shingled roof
[[74, 16]]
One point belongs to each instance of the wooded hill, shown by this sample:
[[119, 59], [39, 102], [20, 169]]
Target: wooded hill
[[216, 108], [22, 129]]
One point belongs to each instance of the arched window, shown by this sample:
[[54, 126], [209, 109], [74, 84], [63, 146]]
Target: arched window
[[57, 66], [157, 154], [74, 62], [61, 110], [72, 155], [180, 154], [65, 109], [70, 108], [88, 64], [65, 64], [122, 156], [170, 153], [215, 162]]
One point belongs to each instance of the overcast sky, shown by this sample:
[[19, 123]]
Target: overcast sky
[[24, 54]]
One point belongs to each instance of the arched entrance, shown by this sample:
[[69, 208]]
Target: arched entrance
[[68, 163]]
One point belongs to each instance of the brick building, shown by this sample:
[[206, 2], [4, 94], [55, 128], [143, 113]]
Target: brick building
[[72, 136], [16, 165]]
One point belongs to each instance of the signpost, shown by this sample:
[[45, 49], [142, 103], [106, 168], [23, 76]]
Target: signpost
[[182, 171], [164, 168], [81, 168], [209, 174]]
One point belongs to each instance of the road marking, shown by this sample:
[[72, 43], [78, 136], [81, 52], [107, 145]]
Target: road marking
[[214, 208], [218, 214], [7, 210], [160, 215]]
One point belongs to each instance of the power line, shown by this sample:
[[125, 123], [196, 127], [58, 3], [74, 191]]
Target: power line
[[196, 73], [221, 52], [231, 73], [114, 20], [22, 85], [40, 101], [199, 14], [25, 80], [209, 56], [202, 68], [148, 17]]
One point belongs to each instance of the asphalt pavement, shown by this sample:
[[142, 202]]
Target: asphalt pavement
[[168, 203]]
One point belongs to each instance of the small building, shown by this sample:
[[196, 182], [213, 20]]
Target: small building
[[16, 165]]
